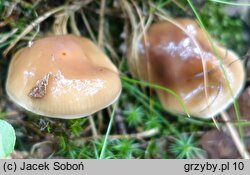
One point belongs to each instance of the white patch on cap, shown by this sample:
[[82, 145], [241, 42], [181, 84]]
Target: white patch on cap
[[27, 74], [184, 49], [30, 43], [191, 29], [84, 87]]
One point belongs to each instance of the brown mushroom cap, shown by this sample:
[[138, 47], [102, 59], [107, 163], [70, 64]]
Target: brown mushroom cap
[[167, 56], [63, 77]]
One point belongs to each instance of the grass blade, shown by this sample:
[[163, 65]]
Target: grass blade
[[102, 155], [231, 3]]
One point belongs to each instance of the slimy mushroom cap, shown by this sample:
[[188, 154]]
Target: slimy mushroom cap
[[63, 77], [185, 62]]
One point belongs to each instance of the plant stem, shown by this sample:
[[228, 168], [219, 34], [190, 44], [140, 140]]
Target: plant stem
[[93, 127], [101, 24], [234, 134], [108, 131], [231, 3]]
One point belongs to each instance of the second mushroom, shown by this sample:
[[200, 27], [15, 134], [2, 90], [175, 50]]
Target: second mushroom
[[178, 55]]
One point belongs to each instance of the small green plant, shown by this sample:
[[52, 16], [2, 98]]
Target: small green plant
[[134, 115], [7, 139], [185, 147], [125, 148], [141, 109]]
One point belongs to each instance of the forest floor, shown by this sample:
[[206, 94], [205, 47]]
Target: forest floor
[[140, 128]]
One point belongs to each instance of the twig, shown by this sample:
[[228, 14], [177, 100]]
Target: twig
[[11, 8], [112, 51], [130, 13], [215, 123], [37, 31], [141, 135], [37, 145], [73, 24], [178, 4], [101, 23], [93, 127], [87, 26], [234, 134], [65, 22], [100, 121], [8, 35], [58, 23]]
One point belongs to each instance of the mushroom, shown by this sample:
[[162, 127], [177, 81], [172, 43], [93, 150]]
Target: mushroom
[[179, 56], [62, 76]]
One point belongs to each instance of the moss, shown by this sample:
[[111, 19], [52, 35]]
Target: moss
[[140, 109]]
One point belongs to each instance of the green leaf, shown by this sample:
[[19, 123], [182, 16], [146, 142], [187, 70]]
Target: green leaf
[[7, 139]]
